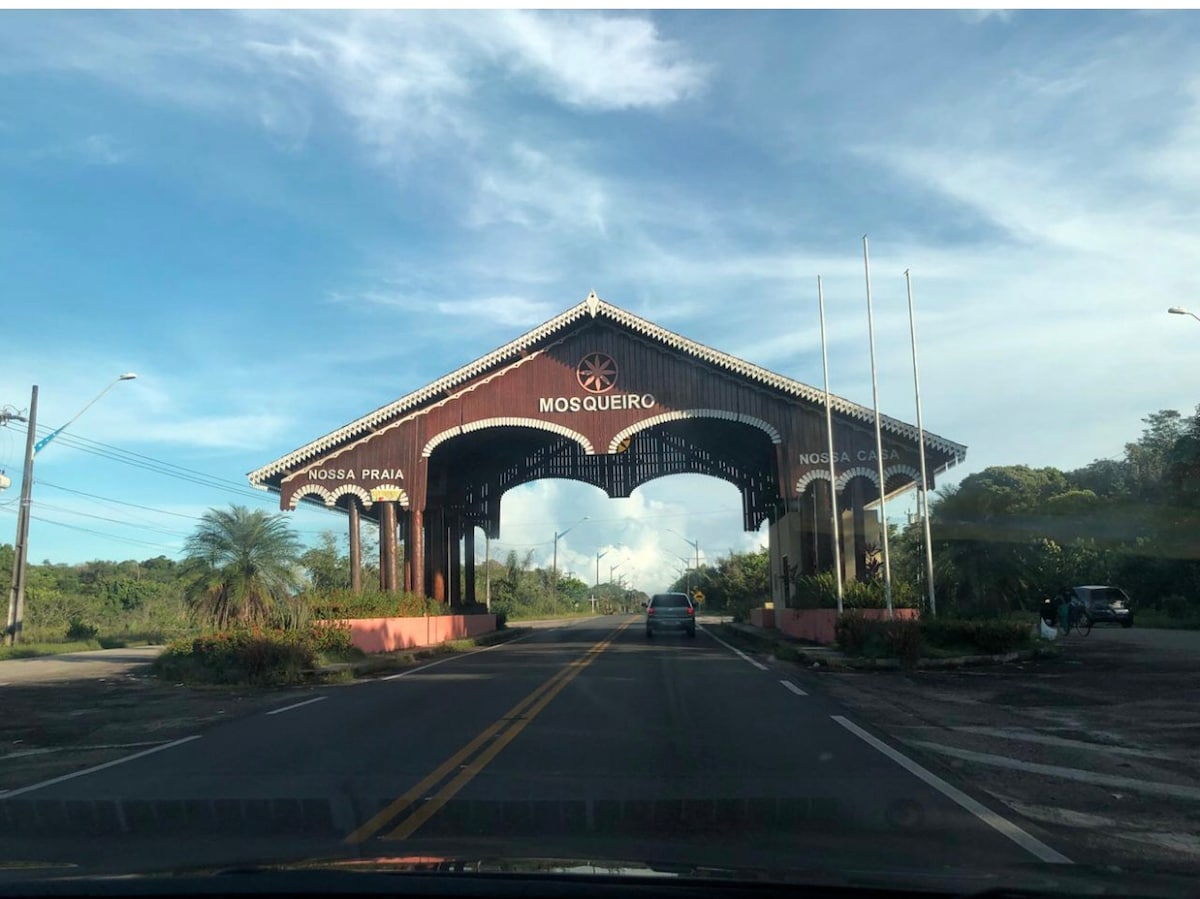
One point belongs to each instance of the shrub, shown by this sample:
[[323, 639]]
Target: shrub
[[1176, 606], [260, 657], [330, 639], [874, 638], [902, 639], [77, 629], [345, 604], [988, 636], [815, 591], [851, 632]]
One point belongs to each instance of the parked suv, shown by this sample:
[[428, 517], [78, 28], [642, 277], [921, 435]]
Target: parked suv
[[1105, 604], [670, 612]]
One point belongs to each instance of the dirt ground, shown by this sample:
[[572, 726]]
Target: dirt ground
[[54, 728], [1096, 749]]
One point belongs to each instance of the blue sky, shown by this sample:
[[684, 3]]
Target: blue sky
[[282, 221]]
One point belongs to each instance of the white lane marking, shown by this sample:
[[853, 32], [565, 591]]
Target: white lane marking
[[734, 649], [793, 688], [1025, 736], [296, 705], [1026, 841], [9, 794], [453, 656], [1154, 788]]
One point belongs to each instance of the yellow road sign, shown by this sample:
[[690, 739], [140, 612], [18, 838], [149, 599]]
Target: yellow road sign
[[698, 595]]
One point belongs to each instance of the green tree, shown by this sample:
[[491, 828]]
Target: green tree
[[327, 568], [242, 567]]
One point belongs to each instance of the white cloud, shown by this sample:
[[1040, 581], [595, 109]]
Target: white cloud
[[978, 16], [595, 61], [635, 532], [539, 192]]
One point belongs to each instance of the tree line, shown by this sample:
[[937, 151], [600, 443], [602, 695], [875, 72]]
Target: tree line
[[1008, 536]]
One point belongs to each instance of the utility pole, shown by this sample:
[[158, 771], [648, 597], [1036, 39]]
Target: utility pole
[[16, 596]]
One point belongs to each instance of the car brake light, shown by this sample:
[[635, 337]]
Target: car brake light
[[691, 610], [650, 611]]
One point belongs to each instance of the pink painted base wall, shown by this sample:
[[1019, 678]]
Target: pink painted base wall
[[817, 625], [762, 617], [390, 634]]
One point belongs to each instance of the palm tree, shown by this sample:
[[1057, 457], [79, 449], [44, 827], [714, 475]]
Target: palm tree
[[242, 566]]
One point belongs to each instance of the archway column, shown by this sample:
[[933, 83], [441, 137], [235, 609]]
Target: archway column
[[406, 519], [858, 505], [469, 564], [355, 545], [388, 550], [435, 552], [414, 555], [454, 566]]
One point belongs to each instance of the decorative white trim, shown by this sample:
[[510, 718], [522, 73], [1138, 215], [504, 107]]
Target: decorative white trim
[[908, 470], [363, 494], [683, 414], [820, 474], [597, 308], [861, 472], [403, 494], [311, 490], [484, 423]]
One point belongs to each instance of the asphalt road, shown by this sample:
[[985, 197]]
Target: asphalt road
[[582, 741]]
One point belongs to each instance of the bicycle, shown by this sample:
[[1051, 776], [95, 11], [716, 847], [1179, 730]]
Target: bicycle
[[1079, 620]]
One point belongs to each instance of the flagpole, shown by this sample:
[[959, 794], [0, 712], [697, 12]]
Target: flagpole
[[837, 541], [883, 531], [924, 505]]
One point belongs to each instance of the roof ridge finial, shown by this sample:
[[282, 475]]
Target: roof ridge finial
[[593, 303]]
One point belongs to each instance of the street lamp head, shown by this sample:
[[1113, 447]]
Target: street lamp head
[[1178, 310], [127, 376]]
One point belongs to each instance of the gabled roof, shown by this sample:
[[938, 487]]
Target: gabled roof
[[594, 307]]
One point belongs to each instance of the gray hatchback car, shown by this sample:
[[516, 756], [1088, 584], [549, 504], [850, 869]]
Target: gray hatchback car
[[670, 612]]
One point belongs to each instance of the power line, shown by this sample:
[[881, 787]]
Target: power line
[[184, 515], [119, 502], [129, 524], [75, 527]]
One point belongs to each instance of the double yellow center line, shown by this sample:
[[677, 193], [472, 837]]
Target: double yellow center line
[[491, 741]]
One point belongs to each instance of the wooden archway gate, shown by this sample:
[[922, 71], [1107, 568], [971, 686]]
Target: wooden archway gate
[[598, 395]]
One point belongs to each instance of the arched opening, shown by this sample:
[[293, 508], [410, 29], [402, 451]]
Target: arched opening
[[471, 471], [861, 539]]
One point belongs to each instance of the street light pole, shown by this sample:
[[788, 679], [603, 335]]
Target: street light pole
[[596, 590], [1179, 310], [924, 492], [16, 596], [694, 544], [554, 567]]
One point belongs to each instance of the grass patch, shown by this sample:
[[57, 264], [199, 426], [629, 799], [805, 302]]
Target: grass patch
[[536, 616], [47, 648]]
